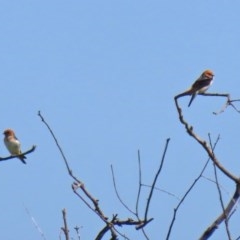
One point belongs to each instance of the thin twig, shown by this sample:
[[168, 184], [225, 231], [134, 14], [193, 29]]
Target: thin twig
[[118, 196], [187, 192], [155, 179], [139, 192], [213, 181], [60, 235], [78, 183], [162, 190], [139, 182], [182, 200], [220, 193], [222, 204], [90, 200], [121, 234], [78, 232], [35, 223], [56, 141]]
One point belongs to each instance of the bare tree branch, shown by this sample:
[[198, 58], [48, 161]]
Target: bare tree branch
[[65, 228], [187, 192], [93, 203], [139, 182], [222, 204], [78, 232], [139, 192], [19, 155], [182, 200], [229, 102], [162, 190], [118, 196], [56, 141], [220, 193], [35, 223], [227, 211], [155, 179], [214, 181], [78, 184], [204, 145]]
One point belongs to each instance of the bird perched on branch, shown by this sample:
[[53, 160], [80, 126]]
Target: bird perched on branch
[[13, 145], [200, 85]]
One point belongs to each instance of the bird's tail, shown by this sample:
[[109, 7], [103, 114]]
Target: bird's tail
[[185, 93], [192, 98], [22, 159]]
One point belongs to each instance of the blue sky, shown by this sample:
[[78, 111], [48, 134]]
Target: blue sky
[[104, 74]]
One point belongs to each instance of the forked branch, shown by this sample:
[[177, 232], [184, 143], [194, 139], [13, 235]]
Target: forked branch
[[223, 216], [209, 150], [228, 102], [93, 203], [204, 144], [186, 194]]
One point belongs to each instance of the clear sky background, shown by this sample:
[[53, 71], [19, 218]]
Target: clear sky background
[[104, 74]]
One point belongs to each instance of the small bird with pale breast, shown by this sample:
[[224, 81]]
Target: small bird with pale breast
[[201, 85], [13, 145]]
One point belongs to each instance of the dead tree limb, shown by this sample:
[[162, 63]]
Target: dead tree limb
[[187, 193], [228, 209], [204, 144], [93, 203], [65, 228], [226, 213], [228, 102]]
